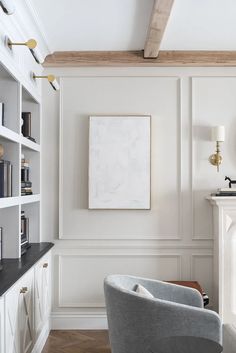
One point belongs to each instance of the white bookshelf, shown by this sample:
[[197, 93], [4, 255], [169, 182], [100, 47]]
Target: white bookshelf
[[18, 99]]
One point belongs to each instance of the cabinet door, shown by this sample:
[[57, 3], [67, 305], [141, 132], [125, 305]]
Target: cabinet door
[[19, 315], [2, 325], [42, 293]]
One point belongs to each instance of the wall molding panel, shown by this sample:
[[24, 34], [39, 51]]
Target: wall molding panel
[[115, 261], [175, 239]]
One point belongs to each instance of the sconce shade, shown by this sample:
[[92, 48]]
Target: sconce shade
[[7, 6], [218, 133]]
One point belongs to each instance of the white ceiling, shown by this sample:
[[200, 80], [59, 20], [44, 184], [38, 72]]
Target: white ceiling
[[122, 24]]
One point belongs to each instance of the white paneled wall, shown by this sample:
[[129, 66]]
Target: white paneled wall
[[174, 239]]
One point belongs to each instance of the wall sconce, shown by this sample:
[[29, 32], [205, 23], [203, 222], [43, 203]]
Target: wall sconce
[[31, 44], [51, 79], [7, 6], [217, 135]]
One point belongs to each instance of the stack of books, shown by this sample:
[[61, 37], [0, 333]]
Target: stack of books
[[5, 178], [24, 233], [225, 192], [26, 184]]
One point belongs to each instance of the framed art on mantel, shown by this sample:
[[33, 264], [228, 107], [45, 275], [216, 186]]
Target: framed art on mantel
[[119, 162]]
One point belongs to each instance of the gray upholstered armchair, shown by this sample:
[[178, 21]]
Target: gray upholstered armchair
[[136, 322]]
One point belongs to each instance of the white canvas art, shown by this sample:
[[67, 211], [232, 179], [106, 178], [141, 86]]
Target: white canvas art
[[119, 162]]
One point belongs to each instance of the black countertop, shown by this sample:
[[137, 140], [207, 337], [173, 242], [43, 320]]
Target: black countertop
[[13, 269]]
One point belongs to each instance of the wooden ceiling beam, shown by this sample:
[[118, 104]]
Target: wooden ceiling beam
[[159, 18], [136, 59]]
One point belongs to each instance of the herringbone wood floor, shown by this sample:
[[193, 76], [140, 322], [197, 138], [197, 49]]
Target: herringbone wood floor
[[77, 341]]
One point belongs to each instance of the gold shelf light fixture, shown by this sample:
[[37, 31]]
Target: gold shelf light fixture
[[31, 44], [217, 135], [7, 6], [51, 79]]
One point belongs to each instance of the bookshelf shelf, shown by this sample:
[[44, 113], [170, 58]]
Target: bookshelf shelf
[[9, 134], [30, 144], [9, 201], [29, 199]]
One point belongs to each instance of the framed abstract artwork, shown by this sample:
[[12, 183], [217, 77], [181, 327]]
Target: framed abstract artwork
[[119, 162]]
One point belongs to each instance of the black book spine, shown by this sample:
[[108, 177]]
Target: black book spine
[[9, 180], [1, 179], [25, 174], [26, 127], [2, 114], [5, 184]]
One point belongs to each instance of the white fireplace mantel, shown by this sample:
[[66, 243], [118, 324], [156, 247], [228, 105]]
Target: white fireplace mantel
[[224, 215]]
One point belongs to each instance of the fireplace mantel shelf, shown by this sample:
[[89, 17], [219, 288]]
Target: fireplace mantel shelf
[[222, 200]]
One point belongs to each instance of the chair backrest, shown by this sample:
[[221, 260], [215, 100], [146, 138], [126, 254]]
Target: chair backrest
[[127, 313]]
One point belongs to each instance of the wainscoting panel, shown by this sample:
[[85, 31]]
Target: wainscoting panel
[[90, 271], [202, 271]]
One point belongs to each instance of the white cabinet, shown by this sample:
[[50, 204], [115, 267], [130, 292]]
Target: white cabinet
[[25, 310], [2, 325], [42, 293], [19, 315]]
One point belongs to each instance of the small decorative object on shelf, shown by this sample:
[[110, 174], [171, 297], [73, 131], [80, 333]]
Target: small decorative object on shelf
[[2, 114], [226, 191], [26, 126], [5, 176], [25, 245], [26, 184]]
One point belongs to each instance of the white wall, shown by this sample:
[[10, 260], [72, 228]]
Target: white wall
[[174, 239]]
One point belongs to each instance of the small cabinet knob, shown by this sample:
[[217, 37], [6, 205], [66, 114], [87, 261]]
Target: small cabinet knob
[[45, 265], [23, 290]]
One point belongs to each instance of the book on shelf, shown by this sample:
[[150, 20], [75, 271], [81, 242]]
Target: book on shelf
[[2, 121], [225, 192], [26, 126], [26, 184], [24, 233], [0, 243], [5, 178]]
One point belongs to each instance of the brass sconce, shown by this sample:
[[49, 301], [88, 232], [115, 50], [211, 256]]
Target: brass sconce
[[217, 135], [7, 6], [51, 79], [31, 44]]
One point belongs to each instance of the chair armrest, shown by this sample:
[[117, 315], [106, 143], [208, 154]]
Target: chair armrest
[[174, 293], [183, 320]]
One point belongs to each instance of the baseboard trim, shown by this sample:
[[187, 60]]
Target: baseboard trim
[[39, 344], [77, 321]]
